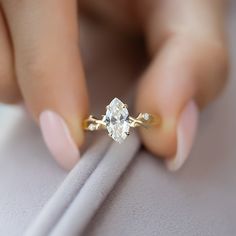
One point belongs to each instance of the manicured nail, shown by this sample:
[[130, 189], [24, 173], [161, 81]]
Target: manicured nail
[[58, 139], [186, 130]]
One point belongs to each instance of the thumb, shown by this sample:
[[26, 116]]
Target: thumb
[[190, 69], [185, 73]]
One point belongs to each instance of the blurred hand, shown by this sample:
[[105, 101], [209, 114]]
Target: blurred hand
[[40, 63]]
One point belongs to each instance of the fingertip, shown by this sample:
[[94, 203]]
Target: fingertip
[[186, 132], [58, 139], [174, 138]]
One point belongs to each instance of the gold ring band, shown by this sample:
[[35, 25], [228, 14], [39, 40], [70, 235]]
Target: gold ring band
[[117, 121]]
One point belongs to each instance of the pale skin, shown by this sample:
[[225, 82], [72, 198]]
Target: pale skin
[[185, 39]]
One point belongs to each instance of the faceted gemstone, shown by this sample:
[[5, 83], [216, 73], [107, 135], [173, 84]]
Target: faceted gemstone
[[145, 116], [117, 120]]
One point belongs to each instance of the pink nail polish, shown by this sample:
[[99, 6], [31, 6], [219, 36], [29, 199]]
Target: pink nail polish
[[58, 139], [186, 130]]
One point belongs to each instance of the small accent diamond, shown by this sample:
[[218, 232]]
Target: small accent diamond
[[92, 127], [145, 116]]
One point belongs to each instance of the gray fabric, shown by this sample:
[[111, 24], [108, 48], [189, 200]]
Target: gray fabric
[[61, 200], [198, 200], [84, 189], [97, 187], [28, 175]]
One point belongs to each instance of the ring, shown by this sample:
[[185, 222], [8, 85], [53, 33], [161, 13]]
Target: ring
[[118, 122]]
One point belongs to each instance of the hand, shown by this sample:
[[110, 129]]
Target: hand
[[40, 63]]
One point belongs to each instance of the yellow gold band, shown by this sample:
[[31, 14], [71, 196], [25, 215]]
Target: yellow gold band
[[118, 122]]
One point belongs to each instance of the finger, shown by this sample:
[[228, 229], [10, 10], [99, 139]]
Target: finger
[[189, 68], [9, 91], [51, 78]]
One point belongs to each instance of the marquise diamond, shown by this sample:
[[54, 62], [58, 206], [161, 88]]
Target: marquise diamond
[[117, 120]]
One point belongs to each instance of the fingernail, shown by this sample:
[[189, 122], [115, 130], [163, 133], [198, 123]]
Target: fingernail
[[186, 130], [58, 139]]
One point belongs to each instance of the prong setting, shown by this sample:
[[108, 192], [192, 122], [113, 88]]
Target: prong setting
[[118, 122]]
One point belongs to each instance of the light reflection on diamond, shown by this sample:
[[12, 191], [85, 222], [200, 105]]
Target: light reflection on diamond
[[117, 120]]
